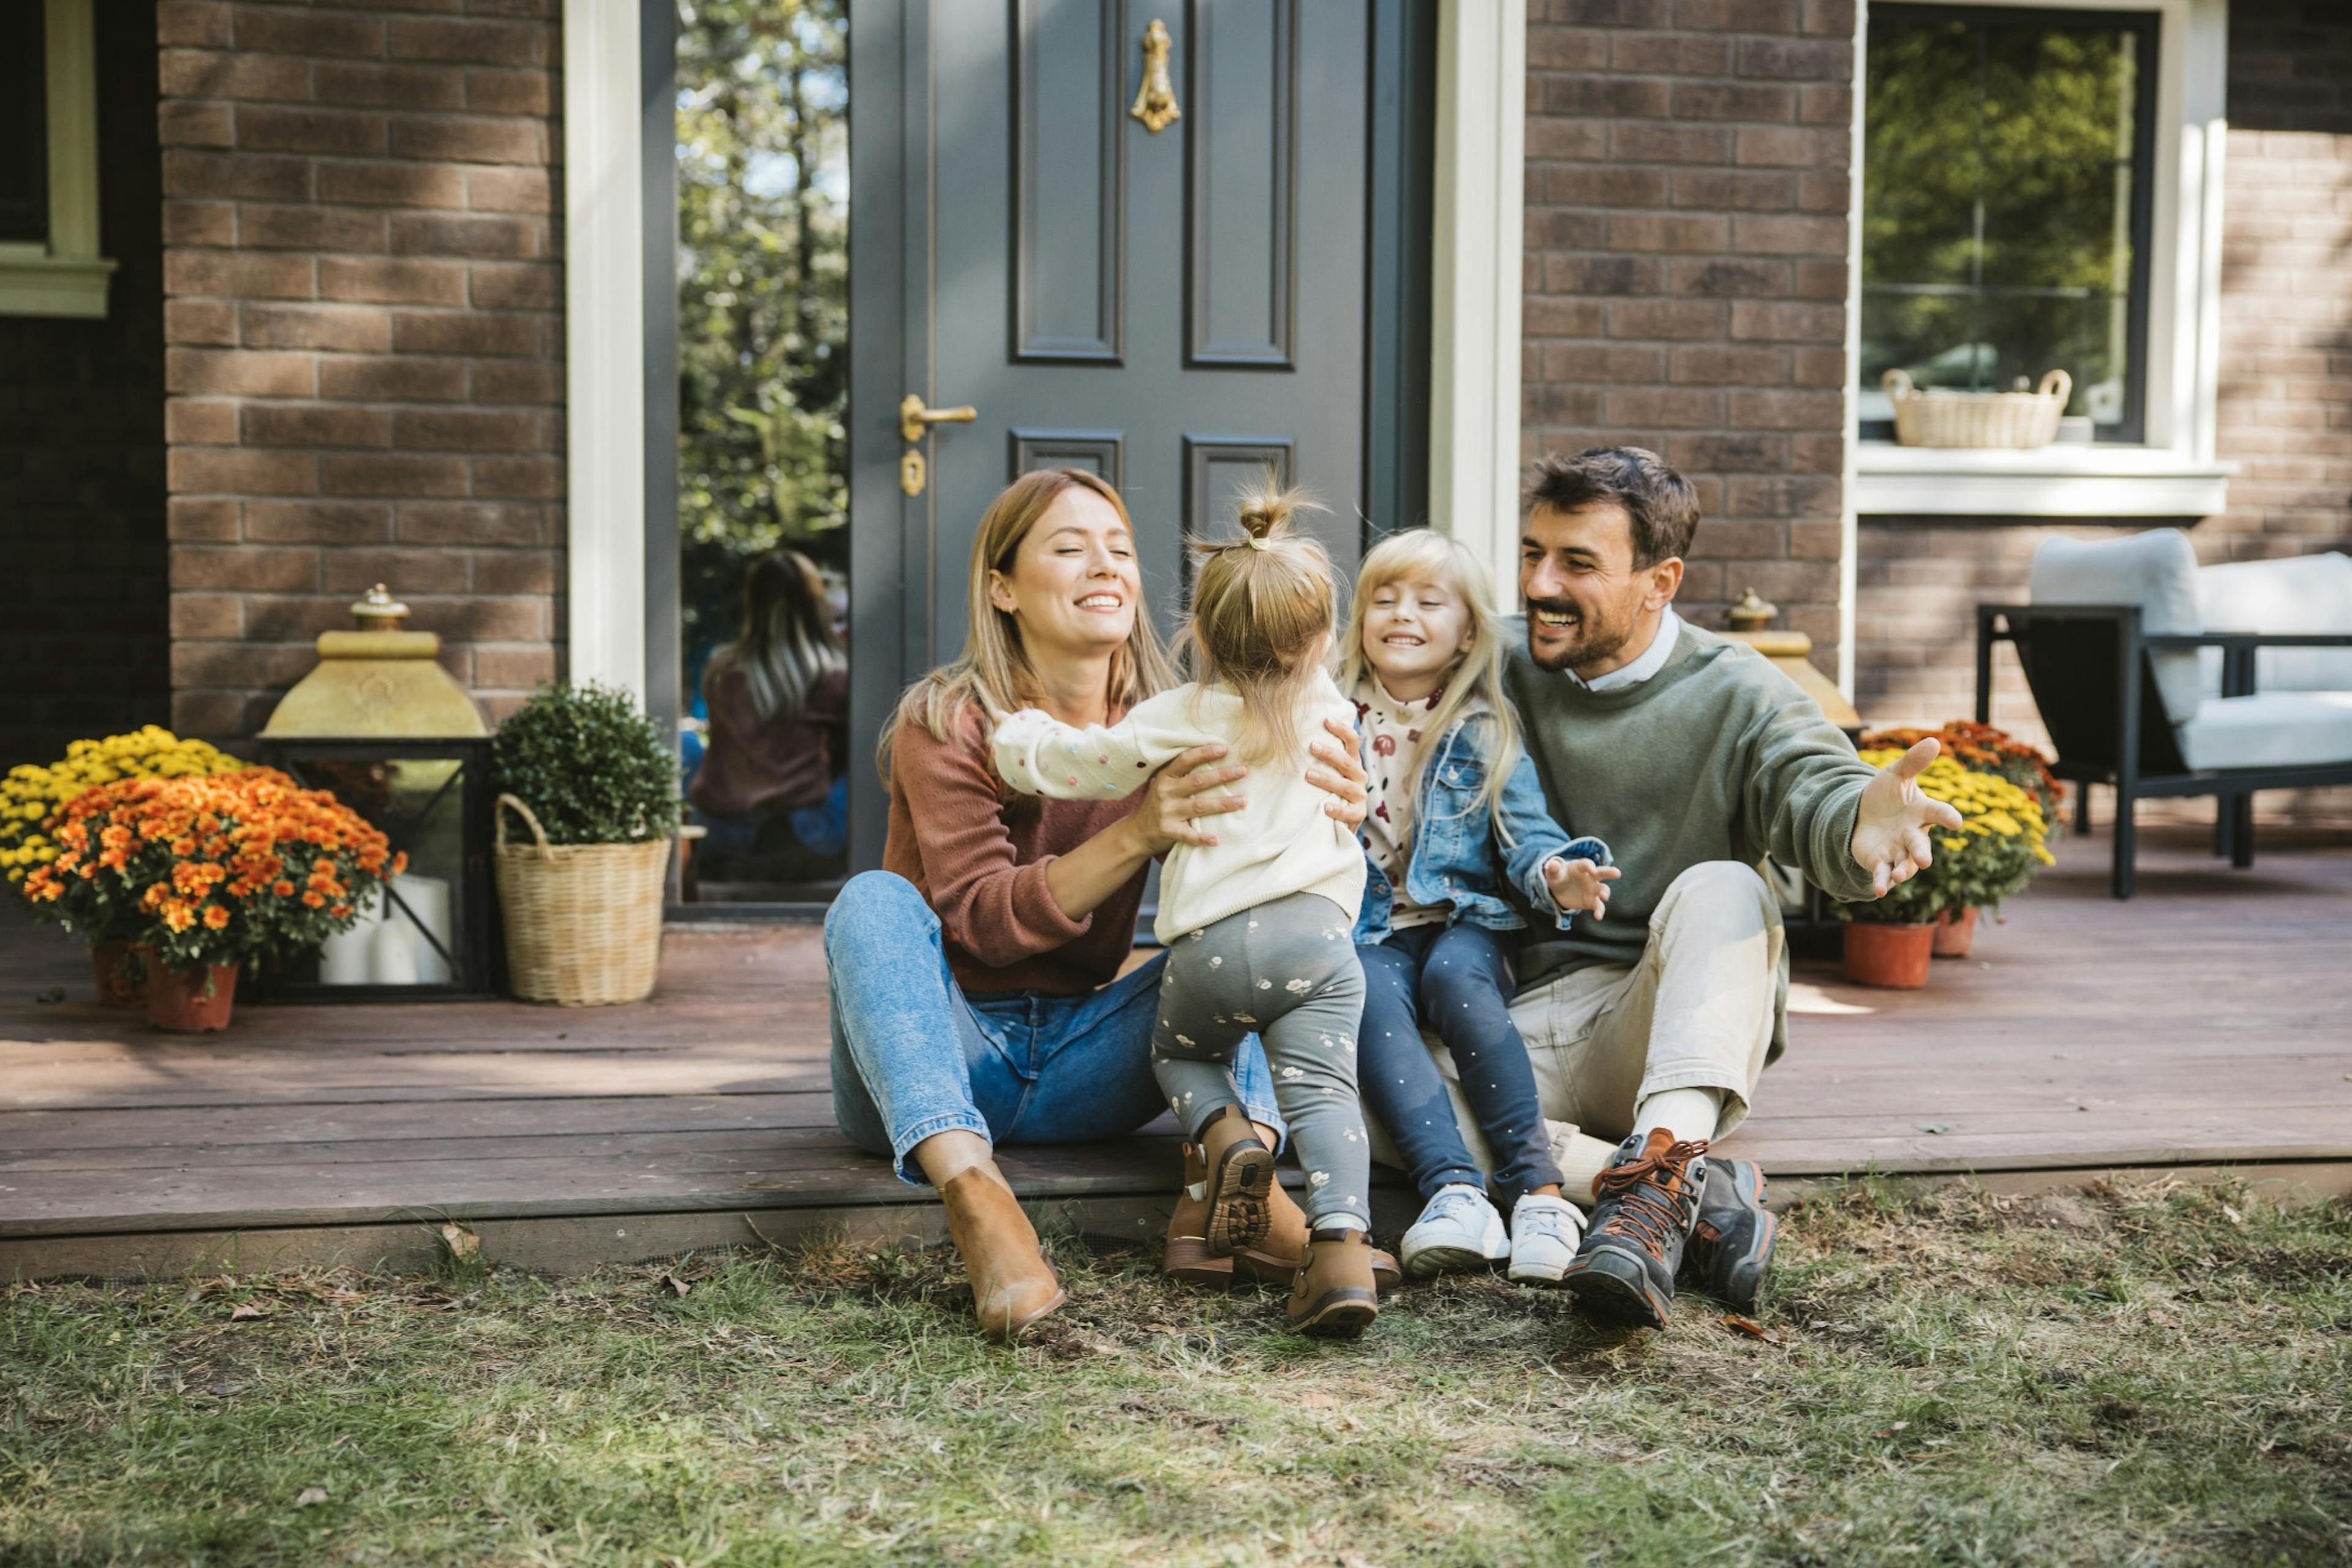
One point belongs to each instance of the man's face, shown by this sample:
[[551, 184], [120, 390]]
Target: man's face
[[1585, 597]]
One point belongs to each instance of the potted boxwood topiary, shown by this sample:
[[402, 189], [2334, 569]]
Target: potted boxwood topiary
[[587, 771]]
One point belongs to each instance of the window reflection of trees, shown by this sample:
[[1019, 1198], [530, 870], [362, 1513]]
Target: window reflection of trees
[[2002, 231], [763, 295]]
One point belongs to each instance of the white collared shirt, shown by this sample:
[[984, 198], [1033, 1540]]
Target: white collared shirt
[[1653, 660]]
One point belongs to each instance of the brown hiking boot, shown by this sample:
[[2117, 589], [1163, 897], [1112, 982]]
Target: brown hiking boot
[[1012, 1286], [1644, 1203], [1333, 1296], [1239, 1171], [1188, 1257], [1275, 1260]]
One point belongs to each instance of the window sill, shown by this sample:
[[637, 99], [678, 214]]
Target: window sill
[[54, 285], [2045, 481]]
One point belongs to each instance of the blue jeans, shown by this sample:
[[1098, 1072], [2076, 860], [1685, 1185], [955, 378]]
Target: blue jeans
[[914, 1057], [1457, 979]]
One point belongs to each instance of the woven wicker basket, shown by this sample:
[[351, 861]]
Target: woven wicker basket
[[583, 920], [1937, 417]]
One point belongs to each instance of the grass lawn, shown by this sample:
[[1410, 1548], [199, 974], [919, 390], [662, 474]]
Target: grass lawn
[[2142, 1375]]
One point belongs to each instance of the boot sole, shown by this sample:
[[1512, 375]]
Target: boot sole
[[1341, 1314], [1434, 1260], [1239, 1214], [1264, 1268], [1190, 1261], [1614, 1298]]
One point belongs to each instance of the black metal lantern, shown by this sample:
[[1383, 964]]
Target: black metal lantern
[[382, 725]]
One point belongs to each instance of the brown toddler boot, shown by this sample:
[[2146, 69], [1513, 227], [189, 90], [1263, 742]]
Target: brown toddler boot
[[1240, 1174], [1012, 1286], [1188, 1257], [1334, 1296], [1275, 1260]]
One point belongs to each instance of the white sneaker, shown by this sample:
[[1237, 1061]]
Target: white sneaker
[[1544, 1233], [1458, 1229]]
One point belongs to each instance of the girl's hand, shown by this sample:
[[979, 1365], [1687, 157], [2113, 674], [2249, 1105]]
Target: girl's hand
[[1178, 799], [1343, 775], [1580, 886]]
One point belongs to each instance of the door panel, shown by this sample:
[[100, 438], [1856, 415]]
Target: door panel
[[1178, 310]]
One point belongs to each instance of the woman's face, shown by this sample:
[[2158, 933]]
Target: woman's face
[[1074, 585]]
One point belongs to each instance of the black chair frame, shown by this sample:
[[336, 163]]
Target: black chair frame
[[2091, 671]]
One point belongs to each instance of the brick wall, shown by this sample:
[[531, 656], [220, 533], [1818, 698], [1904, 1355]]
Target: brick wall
[[1686, 270], [2285, 389], [82, 607], [363, 336]]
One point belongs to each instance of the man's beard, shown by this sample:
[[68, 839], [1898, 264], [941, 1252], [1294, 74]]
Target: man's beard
[[1590, 641]]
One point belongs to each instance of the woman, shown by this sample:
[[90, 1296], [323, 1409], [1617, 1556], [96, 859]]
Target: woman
[[975, 984], [779, 702]]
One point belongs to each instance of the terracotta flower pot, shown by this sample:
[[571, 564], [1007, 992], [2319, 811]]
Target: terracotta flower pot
[[1955, 933], [1894, 956], [190, 1001], [121, 982]]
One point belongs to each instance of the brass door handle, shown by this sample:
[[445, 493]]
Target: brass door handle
[[1155, 100], [914, 415]]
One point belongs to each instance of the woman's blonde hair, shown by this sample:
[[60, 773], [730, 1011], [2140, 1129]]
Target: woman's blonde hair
[[993, 672], [1263, 608], [1426, 555], [785, 645]]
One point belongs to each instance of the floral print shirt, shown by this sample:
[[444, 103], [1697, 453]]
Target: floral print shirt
[[1395, 749]]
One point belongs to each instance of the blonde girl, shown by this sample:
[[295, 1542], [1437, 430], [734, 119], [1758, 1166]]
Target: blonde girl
[[1256, 922], [1456, 832]]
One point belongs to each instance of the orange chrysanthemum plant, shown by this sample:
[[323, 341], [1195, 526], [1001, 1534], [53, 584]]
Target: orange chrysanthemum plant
[[216, 870]]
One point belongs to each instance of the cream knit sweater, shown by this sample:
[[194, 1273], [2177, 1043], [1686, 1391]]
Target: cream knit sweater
[[1280, 843]]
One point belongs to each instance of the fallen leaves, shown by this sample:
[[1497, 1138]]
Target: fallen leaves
[[311, 1497], [676, 1286], [1754, 1330], [464, 1246]]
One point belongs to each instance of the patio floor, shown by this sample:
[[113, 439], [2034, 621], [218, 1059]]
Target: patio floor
[[2207, 1022]]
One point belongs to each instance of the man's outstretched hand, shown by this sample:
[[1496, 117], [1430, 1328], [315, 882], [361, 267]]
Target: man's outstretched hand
[[1891, 832]]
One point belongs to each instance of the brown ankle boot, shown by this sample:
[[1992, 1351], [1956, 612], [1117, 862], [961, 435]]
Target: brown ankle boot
[[1012, 1286], [1240, 1174], [1275, 1260], [1334, 1296], [1189, 1258]]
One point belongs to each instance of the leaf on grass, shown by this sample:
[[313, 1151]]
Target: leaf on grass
[[1890, 1431], [246, 1310], [2231, 1210], [2162, 1319], [311, 1497], [1752, 1329], [464, 1245], [676, 1286]]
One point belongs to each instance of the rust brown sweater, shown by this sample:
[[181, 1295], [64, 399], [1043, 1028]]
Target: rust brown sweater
[[979, 853]]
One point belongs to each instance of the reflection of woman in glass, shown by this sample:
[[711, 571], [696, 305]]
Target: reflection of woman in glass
[[773, 784]]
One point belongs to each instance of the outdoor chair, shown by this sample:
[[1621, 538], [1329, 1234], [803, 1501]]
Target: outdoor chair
[[2163, 677]]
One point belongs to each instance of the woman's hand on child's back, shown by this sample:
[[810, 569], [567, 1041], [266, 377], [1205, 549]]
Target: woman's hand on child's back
[[1580, 886], [1342, 774], [1178, 798]]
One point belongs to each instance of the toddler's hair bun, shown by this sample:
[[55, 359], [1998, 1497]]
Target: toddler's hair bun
[[1265, 512]]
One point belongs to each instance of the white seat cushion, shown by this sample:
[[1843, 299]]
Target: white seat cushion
[[2157, 571], [2296, 594], [2269, 730]]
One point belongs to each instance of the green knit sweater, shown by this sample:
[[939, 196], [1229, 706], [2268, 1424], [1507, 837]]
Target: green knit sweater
[[1718, 756]]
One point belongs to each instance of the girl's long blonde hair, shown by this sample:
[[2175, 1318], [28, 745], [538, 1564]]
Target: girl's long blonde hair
[[1426, 555], [785, 645], [993, 672], [1263, 608]]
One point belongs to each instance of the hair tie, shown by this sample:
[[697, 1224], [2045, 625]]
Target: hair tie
[[1256, 542]]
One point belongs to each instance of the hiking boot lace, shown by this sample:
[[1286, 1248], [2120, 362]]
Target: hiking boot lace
[[1648, 1210]]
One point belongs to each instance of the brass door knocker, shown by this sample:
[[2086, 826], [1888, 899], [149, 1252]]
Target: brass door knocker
[[1155, 100]]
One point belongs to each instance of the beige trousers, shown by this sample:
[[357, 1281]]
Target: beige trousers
[[1697, 1012]]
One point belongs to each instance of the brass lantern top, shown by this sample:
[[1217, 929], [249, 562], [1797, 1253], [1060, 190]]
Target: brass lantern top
[[378, 680], [1751, 620]]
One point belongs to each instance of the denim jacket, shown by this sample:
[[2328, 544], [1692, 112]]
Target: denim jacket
[[1456, 858]]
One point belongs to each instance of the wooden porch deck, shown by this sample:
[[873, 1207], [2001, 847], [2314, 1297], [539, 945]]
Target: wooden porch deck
[[2208, 1022]]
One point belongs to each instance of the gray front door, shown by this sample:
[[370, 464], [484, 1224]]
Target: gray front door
[[1178, 310]]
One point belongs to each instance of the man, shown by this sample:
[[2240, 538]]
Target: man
[[1693, 759]]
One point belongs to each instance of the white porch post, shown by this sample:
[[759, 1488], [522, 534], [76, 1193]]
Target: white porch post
[[604, 346], [1477, 270]]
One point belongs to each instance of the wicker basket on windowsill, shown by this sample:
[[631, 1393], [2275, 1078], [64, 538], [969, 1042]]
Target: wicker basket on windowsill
[[1937, 417]]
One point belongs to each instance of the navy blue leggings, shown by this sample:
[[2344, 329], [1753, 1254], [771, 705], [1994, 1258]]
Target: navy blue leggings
[[1457, 979]]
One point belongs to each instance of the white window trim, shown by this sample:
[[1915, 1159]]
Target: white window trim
[[604, 346], [66, 277], [1477, 275], [2174, 473]]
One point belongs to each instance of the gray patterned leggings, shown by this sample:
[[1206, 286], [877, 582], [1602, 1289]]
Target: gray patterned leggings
[[1287, 971]]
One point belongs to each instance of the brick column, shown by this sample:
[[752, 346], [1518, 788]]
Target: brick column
[[364, 338], [1685, 271]]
